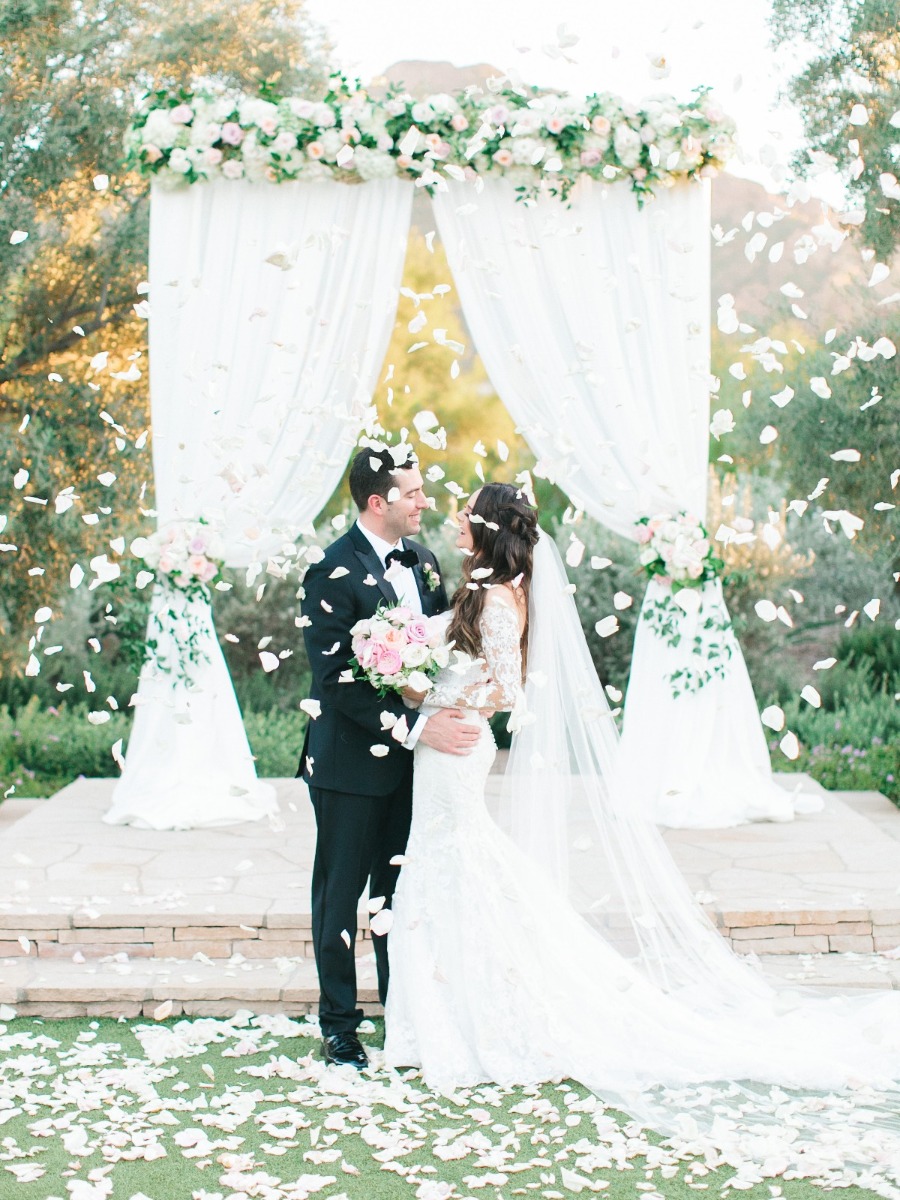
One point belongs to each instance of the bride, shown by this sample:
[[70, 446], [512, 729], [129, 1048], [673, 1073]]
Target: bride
[[560, 940]]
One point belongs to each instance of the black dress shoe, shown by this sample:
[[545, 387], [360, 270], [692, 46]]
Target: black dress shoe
[[344, 1049]]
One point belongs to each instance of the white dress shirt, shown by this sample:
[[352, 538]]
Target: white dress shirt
[[403, 581]]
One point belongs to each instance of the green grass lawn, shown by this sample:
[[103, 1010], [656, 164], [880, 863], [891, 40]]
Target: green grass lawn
[[212, 1109]]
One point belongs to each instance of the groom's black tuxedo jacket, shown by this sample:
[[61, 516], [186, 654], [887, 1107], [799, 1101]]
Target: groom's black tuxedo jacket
[[337, 750]]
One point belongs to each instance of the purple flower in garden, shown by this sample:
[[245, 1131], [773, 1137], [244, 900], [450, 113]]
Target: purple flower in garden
[[889, 778], [837, 724], [877, 741], [846, 749]]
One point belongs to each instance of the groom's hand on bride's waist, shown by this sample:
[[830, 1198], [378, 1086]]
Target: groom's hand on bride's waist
[[450, 732]]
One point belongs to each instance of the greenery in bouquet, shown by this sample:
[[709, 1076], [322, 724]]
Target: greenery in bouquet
[[540, 139]]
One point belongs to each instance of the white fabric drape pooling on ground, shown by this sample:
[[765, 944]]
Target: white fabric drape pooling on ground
[[271, 311], [593, 324]]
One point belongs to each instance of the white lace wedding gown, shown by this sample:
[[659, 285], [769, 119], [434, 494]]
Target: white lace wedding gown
[[495, 977]]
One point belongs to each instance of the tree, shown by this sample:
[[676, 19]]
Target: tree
[[73, 249], [848, 97]]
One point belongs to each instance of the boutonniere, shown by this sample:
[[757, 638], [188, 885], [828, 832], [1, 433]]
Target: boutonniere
[[432, 579]]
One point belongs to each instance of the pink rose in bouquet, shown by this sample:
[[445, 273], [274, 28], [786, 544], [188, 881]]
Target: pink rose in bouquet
[[417, 631], [395, 645], [389, 661]]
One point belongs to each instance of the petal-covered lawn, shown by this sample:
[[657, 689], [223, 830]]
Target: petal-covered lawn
[[222, 1109]]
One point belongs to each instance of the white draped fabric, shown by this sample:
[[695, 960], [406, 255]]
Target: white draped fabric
[[271, 311], [593, 324]]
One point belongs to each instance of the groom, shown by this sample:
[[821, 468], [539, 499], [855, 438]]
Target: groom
[[359, 775]]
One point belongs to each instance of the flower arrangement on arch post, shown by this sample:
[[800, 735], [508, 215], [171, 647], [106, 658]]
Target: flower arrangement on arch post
[[676, 550], [185, 558]]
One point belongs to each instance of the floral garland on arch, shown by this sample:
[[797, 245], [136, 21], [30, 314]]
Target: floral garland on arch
[[185, 558], [542, 140], [677, 551]]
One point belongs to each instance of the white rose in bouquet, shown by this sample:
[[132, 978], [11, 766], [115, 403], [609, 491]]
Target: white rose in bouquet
[[414, 654]]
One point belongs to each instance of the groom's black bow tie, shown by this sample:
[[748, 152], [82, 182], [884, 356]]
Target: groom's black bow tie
[[406, 558]]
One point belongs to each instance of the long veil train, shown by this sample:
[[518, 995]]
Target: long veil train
[[839, 1057]]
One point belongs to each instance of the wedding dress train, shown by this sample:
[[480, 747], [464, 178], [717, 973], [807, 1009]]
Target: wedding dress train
[[497, 976]]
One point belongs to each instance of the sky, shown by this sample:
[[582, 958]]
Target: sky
[[724, 43]]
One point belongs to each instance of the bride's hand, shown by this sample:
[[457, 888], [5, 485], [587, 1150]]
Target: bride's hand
[[412, 696]]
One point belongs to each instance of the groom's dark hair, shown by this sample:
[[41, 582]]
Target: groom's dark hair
[[373, 473]]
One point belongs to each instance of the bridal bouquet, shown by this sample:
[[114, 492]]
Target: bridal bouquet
[[396, 648], [676, 550]]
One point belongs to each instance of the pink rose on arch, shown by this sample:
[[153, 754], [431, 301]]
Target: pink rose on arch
[[197, 545], [268, 126], [417, 632], [181, 114], [503, 158], [166, 563], [590, 158], [644, 534], [459, 122], [152, 153], [389, 661], [197, 564], [232, 134], [555, 124], [601, 125], [213, 156]]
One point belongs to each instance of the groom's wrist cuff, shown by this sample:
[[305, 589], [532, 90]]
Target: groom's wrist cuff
[[414, 734]]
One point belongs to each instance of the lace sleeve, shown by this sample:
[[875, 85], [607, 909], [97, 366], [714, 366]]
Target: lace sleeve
[[501, 674], [501, 642]]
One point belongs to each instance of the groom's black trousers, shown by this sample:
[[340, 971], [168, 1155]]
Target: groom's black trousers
[[357, 836]]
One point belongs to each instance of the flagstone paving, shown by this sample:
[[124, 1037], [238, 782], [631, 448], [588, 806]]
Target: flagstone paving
[[109, 920]]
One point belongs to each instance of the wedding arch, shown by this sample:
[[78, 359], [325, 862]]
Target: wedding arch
[[577, 232]]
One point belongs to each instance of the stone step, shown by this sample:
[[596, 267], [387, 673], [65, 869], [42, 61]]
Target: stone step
[[71, 885], [158, 988], [162, 987]]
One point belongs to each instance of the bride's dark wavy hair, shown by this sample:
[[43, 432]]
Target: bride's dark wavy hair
[[503, 540]]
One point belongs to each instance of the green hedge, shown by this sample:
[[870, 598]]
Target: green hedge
[[852, 745]]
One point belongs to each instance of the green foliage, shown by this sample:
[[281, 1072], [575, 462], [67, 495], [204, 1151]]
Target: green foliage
[[852, 742], [42, 749], [856, 60], [70, 72]]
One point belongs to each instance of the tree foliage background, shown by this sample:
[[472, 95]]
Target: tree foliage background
[[73, 382]]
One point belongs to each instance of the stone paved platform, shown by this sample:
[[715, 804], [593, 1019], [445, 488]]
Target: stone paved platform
[[112, 920]]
